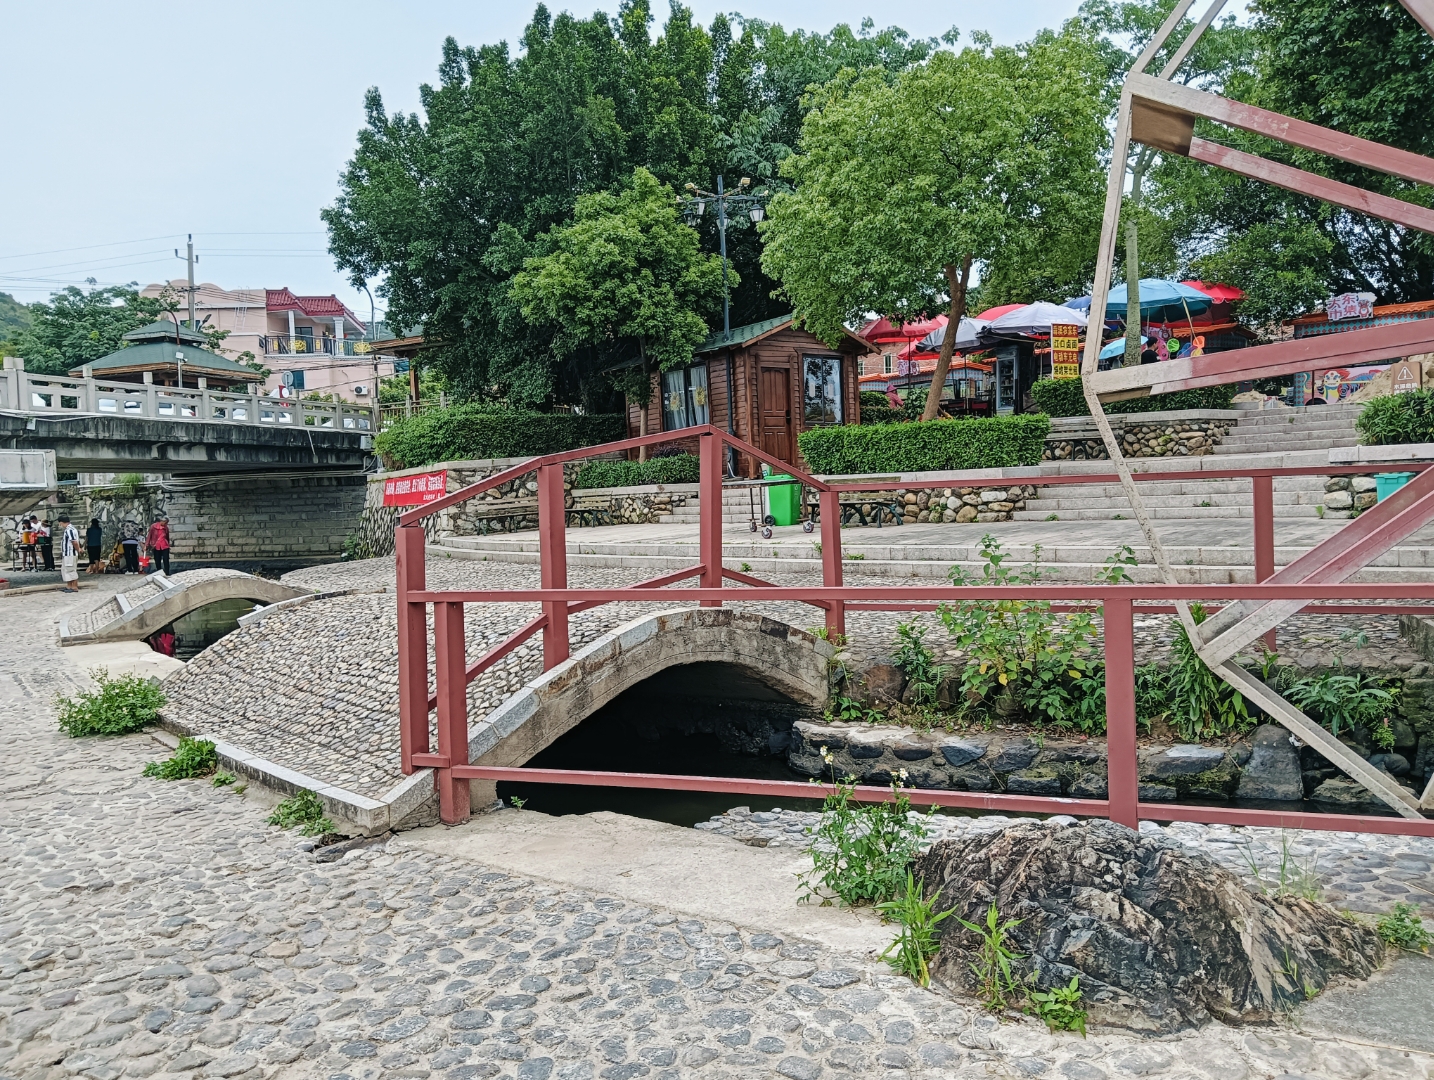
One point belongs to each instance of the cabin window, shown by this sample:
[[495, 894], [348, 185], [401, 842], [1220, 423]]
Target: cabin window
[[684, 397], [821, 393]]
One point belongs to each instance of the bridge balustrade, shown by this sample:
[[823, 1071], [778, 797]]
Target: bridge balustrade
[[50, 396], [453, 672]]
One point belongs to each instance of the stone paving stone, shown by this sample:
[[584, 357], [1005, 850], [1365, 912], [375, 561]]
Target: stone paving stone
[[154, 929]]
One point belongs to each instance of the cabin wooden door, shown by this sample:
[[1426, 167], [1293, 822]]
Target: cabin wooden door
[[774, 402]]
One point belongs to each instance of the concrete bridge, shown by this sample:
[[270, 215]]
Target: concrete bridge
[[160, 599], [95, 425]]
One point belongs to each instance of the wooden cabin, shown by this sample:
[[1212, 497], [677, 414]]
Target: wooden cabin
[[786, 380]]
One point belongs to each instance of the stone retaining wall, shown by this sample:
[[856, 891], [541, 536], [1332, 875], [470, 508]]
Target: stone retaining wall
[[1350, 494], [1142, 435]]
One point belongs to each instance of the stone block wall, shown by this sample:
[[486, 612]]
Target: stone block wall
[[961, 505], [1183, 437], [1345, 494]]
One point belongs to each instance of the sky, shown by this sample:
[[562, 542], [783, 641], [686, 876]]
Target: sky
[[124, 132]]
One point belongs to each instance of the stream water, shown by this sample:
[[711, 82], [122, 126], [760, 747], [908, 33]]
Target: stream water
[[191, 634]]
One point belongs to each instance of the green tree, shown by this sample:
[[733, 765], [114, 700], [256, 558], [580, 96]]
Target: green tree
[[626, 274], [78, 325], [14, 316], [987, 156]]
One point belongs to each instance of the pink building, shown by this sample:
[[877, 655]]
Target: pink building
[[313, 344]]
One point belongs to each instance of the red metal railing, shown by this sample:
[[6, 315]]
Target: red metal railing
[[452, 671]]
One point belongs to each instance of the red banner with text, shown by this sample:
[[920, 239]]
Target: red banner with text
[[415, 490]]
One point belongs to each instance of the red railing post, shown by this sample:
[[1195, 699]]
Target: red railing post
[[553, 555], [1264, 491], [829, 507], [1122, 769], [408, 542], [709, 514], [450, 667]]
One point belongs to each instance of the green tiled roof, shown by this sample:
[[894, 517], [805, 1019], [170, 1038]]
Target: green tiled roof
[[164, 330], [160, 355], [740, 335]]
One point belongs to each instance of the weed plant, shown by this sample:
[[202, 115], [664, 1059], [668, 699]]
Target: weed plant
[[1344, 700], [918, 663], [1202, 705], [1023, 658], [193, 757], [1403, 929], [996, 983], [861, 851], [118, 707], [916, 942], [1059, 1007], [1293, 877], [305, 810]]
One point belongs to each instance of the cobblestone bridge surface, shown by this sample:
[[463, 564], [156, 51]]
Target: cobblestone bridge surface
[[162, 929]]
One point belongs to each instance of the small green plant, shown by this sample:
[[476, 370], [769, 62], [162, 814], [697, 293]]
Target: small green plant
[[1343, 700], [1291, 970], [1059, 1007], [746, 568], [855, 556], [1269, 663], [824, 633], [305, 810], [860, 851], [1202, 705], [1114, 573], [193, 757], [995, 982], [129, 484], [224, 779], [816, 546], [918, 663], [1206, 502], [850, 711], [1403, 929], [1294, 879], [515, 802], [1053, 517], [118, 707], [1359, 637], [916, 942], [1319, 511]]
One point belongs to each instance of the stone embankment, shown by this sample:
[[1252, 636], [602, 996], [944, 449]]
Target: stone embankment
[[1180, 435]]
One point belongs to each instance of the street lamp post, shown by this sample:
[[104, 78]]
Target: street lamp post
[[693, 205]]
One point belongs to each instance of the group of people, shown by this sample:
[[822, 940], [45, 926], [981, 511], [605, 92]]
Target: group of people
[[37, 540]]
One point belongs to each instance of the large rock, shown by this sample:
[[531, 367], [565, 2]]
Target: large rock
[[1273, 771], [881, 684], [1160, 939]]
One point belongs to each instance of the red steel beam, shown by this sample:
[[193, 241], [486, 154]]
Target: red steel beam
[[1140, 471], [1347, 349], [553, 562], [1177, 97], [1317, 187], [413, 700], [1122, 768], [709, 513], [1018, 804], [650, 583], [829, 509], [493, 655], [748, 579], [448, 649], [1264, 492]]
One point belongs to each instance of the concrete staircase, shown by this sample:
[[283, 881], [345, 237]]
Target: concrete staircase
[[1262, 431]]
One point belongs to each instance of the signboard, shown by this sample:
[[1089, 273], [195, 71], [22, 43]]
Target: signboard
[[1350, 306], [415, 490], [1406, 375], [1065, 351]]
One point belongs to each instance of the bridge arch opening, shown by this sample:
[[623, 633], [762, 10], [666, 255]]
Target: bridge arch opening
[[714, 718]]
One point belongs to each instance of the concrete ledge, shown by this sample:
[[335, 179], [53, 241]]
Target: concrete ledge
[[1358, 455], [350, 811]]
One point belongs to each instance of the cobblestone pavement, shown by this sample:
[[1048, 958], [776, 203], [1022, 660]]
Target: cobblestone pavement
[[1355, 871], [329, 708], [161, 929]]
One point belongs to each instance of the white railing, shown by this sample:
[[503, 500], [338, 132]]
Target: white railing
[[57, 395]]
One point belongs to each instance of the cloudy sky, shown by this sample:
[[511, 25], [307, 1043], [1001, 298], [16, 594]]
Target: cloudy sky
[[128, 126]]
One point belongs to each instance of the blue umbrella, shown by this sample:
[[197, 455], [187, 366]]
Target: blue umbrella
[[1156, 296], [1117, 347], [1080, 303]]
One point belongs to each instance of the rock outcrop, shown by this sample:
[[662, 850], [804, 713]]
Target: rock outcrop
[[1160, 939]]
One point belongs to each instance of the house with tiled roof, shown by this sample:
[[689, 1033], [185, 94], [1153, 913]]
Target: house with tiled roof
[[312, 344]]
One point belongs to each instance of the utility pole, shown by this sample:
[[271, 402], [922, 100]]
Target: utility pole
[[190, 259]]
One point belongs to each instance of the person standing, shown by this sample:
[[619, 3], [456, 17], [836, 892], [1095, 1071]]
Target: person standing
[[129, 539], [46, 544], [157, 541], [69, 554], [95, 541], [27, 544]]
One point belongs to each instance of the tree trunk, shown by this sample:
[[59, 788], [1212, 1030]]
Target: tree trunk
[[1132, 262], [644, 398], [957, 289]]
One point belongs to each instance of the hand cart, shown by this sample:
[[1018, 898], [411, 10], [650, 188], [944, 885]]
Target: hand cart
[[760, 520]]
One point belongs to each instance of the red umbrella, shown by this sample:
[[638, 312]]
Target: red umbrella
[[997, 312], [1221, 294], [881, 331]]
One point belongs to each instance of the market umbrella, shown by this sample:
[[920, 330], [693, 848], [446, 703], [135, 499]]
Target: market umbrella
[[1079, 303], [1032, 319], [967, 333], [996, 312], [1160, 300], [1117, 347], [1221, 294]]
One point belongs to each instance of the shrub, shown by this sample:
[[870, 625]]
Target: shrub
[[678, 469], [874, 399], [486, 431], [881, 414], [118, 707], [992, 442], [918, 663], [193, 757], [1398, 418], [1064, 397], [303, 809], [1403, 929], [1339, 699], [1202, 705], [861, 850]]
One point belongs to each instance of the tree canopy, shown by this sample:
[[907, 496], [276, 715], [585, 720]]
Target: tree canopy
[[446, 207], [989, 155], [79, 325]]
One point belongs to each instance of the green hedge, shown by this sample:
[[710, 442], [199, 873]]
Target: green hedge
[[874, 397], [992, 442], [1064, 397], [1397, 418], [483, 431], [881, 414], [677, 469]]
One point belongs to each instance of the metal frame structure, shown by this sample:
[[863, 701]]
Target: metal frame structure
[[452, 671], [1158, 112]]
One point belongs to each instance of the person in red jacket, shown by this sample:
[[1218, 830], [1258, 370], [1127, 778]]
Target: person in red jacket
[[157, 541]]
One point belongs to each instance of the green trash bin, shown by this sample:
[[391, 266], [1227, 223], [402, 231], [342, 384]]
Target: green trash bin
[[784, 501], [1387, 483]]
